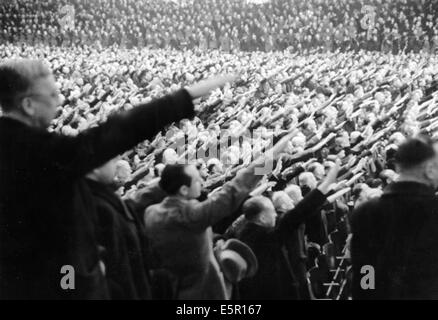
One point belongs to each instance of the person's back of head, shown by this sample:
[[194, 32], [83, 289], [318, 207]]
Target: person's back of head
[[123, 171], [374, 182], [158, 169], [317, 169], [260, 210], [416, 159], [294, 192], [388, 176], [106, 173], [354, 136], [282, 202], [307, 182], [397, 138], [170, 156], [28, 92], [214, 166], [299, 142]]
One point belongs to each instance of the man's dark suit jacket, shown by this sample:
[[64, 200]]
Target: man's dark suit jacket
[[46, 211], [123, 237], [397, 235], [275, 278]]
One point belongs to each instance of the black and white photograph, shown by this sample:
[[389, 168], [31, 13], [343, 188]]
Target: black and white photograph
[[230, 152]]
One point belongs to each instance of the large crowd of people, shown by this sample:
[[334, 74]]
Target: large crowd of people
[[253, 190], [229, 25], [356, 108]]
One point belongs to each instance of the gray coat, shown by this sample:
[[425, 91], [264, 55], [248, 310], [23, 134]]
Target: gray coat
[[180, 232]]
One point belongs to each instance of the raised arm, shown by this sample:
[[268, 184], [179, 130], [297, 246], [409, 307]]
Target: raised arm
[[309, 205], [75, 156], [230, 197]]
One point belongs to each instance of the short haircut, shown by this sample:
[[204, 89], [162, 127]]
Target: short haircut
[[254, 206], [294, 192], [306, 177], [415, 151], [16, 78], [374, 182], [173, 177], [158, 169], [357, 190], [314, 166], [210, 168]]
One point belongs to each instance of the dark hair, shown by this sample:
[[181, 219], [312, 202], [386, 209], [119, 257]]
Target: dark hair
[[156, 172], [414, 151], [16, 78], [312, 167], [12, 84], [210, 168], [174, 177], [357, 190], [374, 182], [253, 207], [199, 166]]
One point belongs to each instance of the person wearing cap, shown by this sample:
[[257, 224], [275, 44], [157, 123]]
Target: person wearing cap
[[395, 234], [46, 216], [278, 278]]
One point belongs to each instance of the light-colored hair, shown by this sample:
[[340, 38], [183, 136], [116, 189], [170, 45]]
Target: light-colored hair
[[294, 192], [253, 207], [123, 168], [282, 202], [313, 167], [17, 77], [307, 178], [169, 156]]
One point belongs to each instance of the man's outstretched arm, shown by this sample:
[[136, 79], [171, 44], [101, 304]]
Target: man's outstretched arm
[[76, 156]]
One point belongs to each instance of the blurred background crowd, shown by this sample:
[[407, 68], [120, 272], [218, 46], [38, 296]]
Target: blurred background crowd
[[229, 25]]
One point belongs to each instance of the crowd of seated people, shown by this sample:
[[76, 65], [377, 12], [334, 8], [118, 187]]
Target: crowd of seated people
[[228, 25]]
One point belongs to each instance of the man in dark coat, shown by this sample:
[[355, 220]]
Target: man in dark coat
[[122, 236], [275, 278], [145, 197], [46, 212], [394, 245]]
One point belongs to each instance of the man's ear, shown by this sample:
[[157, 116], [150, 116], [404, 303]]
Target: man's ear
[[262, 218], [184, 191], [27, 107], [429, 169], [93, 174]]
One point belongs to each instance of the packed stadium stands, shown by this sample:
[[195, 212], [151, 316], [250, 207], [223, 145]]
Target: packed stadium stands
[[228, 25], [355, 82]]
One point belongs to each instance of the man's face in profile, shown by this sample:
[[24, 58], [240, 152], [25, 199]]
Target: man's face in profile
[[433, 174], [194, 190], [46, 98]]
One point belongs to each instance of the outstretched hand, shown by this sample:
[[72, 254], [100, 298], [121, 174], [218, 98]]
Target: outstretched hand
[[330, 178], [204, 87], [279, 147]]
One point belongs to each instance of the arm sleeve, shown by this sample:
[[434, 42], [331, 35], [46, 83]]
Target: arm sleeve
[[76, 156], [200, 215], [304, 209]]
